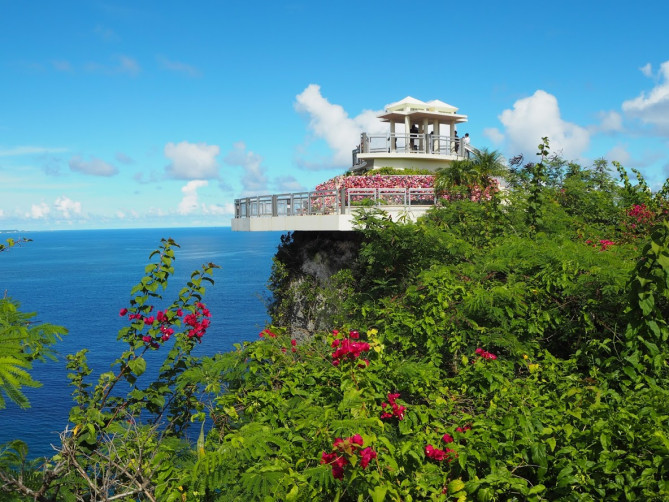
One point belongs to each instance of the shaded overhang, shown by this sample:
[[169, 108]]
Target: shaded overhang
[[420, 115]]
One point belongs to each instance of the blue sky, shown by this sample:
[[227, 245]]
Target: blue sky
[[160, 114]]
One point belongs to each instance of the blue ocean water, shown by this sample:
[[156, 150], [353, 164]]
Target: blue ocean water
[[81, 279]]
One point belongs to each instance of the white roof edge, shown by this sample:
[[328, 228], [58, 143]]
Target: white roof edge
[[431, 106]]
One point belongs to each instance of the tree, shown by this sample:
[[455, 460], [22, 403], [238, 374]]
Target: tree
[[22, 341]]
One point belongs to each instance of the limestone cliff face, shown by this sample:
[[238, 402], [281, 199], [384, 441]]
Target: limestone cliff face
[[310, 278]]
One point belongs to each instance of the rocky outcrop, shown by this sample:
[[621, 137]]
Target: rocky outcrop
[[310, 279]]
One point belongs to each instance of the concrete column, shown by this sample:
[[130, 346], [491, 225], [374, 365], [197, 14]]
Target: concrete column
[[407, 132], [393, 141], [452, 135], [435, 130]]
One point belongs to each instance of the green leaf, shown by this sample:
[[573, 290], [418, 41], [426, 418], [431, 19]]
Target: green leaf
[[137, 365], [455, 486], [378, 494]]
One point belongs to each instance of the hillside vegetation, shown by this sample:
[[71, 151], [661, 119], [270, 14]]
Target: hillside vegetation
[[507, 349]]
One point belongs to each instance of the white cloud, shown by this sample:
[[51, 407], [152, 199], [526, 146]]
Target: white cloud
[[254, 180], [217, 209], [647, 70], [653, 108], [537, 116], [192, 161], [288, 184], [331, 123], [67, 207], [28, 150], [610, 122], [494, 135], [179, 67], [38, 211], [95, 167], [189, 203], [620, 154], [2, 213]]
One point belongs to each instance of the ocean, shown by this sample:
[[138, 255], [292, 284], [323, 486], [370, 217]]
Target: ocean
[[81, 279]]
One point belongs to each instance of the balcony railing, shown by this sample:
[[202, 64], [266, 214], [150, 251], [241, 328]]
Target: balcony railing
[[413, 143], [331, 201]]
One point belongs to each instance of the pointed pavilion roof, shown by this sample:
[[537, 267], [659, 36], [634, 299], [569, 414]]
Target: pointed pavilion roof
[[417, 109]]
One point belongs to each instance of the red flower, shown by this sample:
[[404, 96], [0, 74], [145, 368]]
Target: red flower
[[447, 438], [357, 439], [439, 455], [366, 456], [123, 312], [293, 342]]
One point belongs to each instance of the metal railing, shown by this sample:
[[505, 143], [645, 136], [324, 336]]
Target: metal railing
[[331, 201], [412, 143]]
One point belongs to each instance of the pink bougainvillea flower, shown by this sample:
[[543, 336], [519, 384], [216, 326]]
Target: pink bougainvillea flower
[[293, 342], [397, 409], [439, 455], [366, 456], [447, 438], [484, 354], [123, 312], [357, 439]]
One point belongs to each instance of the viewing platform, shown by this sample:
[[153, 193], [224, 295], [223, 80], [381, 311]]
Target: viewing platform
[[422, 136], [327, 209]]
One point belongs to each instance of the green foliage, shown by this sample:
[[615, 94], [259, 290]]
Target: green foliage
[[501, 356], [22, 341]]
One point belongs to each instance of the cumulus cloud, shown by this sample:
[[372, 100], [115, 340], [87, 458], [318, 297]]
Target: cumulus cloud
[[537, 116], [620, 154], [647, 70], [67, 207], [331, 123], [189, 202], [179, 67], [652, 108], [95, 166], [192, 161], [254, 179], [610, 122], [494, 135], [289, 184], [38, 211]]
